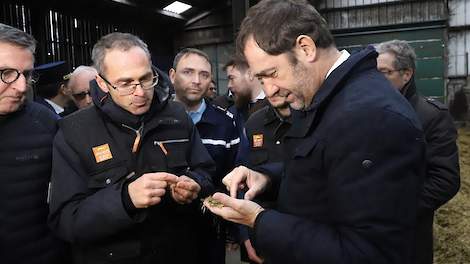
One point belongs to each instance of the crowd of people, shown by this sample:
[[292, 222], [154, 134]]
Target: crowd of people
[[316, 155]]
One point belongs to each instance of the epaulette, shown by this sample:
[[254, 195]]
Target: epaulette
[[227, 113], [436, 103]]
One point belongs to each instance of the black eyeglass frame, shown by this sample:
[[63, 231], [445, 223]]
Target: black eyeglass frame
[[155, 83], [28, 75]]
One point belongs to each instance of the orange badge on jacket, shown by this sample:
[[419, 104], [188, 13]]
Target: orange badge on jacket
[[102, 153], [257, 140]]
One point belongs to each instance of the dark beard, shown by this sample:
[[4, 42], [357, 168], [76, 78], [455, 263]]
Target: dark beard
[[241, 100]]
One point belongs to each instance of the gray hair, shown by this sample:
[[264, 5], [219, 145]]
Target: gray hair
[[116, 40], [17, 37], [187, 51], [80, 69], [405, 55]]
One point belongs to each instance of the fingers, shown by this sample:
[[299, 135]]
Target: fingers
[[235, 180]]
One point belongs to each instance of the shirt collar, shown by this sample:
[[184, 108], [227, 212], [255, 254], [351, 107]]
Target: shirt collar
[[57, 108], [342, 58], [260, 96], [197, 115]]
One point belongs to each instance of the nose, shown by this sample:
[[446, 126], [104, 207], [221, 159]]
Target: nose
[[139, 91], [88, 99], [196, 78], [270, 89], [21, 84]]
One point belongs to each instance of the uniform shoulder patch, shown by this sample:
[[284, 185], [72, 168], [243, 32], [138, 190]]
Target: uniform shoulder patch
[[225, 111], [436, 103]]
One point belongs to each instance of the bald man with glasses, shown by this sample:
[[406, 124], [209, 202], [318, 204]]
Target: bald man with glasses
[[128, 172]]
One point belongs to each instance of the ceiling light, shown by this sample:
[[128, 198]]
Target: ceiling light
[[177, 7]]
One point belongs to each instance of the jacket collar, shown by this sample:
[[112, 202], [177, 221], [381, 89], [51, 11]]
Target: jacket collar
[[303, 121]]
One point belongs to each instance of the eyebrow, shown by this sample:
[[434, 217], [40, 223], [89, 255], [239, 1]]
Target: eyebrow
[[264, 72], [128, 79]]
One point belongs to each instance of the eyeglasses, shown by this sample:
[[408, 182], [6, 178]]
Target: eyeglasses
[[10, 75], [128, 88], [81, 96]]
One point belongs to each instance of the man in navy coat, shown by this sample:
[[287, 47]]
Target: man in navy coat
[[350, 187]]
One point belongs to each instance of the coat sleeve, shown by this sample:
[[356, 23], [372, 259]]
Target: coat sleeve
[[442, 180], [77, 215], [373, 163]]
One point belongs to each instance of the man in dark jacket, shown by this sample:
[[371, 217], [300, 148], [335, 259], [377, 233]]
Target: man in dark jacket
[[26, 130], [128, 172], [350, 189], [442, 180], [191, 76]]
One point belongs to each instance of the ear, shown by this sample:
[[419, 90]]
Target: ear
[[64, 89], [172, 75], [407, 74], [102, 84], [305, 48]]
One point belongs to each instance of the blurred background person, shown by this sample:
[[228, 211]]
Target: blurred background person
[[79, 85], [397, 61], [50, 89]]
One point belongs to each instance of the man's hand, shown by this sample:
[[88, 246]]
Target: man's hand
[[252, 252], [185, 190], [148, 189], [240, 177], [235, 210]]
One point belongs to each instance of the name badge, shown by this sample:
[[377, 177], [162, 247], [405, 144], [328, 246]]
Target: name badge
[[102, 153], [257, 140]]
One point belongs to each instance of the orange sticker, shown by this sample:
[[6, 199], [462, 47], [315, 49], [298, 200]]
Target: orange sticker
[[258, 140], [102, 153]]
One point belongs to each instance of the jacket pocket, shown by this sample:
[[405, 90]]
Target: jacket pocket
[[108, 177], [175, 151]]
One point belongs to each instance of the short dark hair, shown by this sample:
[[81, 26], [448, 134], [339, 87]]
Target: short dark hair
[[405, 55], [115, 40], [186, 51], [17, 37], [276, 24], [237, 62]]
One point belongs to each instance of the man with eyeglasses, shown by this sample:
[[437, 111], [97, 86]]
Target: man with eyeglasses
[[128, 172], [442, 180], [79, 85], [27, 130]]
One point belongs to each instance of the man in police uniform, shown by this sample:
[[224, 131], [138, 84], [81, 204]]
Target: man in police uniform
[[350, 184], [128, 170], [191, 77], [442, 180]]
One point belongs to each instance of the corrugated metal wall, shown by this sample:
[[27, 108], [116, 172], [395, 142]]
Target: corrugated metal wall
[[349, 14], [459, 38], [358, 23]]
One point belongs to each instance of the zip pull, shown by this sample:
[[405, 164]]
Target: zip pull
[[138, 137]]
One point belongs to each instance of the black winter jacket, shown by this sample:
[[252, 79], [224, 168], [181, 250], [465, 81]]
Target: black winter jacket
[[89, 200], [442, 179]]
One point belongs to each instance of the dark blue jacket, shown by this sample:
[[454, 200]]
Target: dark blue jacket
[[221, 139], [25, 171], [351, 187]]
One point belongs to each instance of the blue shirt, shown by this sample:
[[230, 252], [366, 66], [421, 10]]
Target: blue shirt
[[197, 115]]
